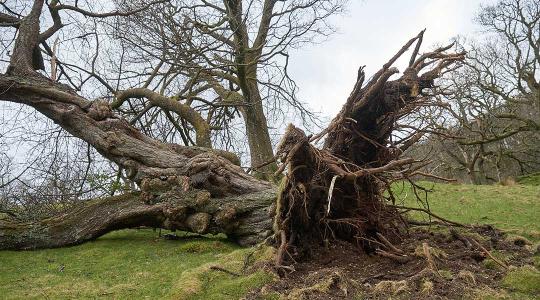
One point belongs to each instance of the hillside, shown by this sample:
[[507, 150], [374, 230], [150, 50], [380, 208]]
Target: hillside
[[138, 263]]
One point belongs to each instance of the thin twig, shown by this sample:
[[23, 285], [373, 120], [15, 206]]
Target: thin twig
[[217, 268], [395, 257], [432, 214], [388, 244], [477, 244]]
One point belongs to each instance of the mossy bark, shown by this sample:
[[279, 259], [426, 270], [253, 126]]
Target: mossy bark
[[247, 219]]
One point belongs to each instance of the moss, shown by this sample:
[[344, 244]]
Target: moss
[[322, 287], [189, 283], [237, 287], [202, 198], [528, 233], [487, 293], [517, 240], [388, 287], [265, 254], [198, 247], [207, 283], [536, 249], [446, 274], [426, 287], [501, 256], [467, 276], [525, 279], [491, 264], [536, 261], [198, 222], [264, 294], [281, 187]]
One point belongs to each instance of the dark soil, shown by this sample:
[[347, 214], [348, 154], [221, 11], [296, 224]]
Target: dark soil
[[344, 271]]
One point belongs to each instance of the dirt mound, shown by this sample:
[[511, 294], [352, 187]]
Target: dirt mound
[[435, 262]]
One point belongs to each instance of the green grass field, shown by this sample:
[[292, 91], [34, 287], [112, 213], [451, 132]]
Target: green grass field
[[513, 208], [137, 264], [129, 264]]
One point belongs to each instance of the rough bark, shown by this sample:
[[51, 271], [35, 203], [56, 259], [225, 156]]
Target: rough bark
[[259, 141], [152, 164], [202, 128], [246, 59], [245, 218]]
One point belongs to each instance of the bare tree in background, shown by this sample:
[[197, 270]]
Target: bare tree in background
[[490, 120], [506, 67], [231, 58]]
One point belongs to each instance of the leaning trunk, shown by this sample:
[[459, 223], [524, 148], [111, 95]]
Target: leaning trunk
[[245, 219]]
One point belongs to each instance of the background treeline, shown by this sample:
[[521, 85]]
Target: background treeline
[[487, 127]]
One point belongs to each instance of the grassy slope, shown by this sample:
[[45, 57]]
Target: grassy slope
[[127, 264], [136, 264], [513, 208]]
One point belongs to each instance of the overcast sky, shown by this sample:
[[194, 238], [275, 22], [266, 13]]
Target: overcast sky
[[369, 34]]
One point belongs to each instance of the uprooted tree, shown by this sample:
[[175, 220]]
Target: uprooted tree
[[333, 192]]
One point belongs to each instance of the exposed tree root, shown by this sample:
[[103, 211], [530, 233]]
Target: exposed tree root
[[437, 267], [328, 194], [336, 192]]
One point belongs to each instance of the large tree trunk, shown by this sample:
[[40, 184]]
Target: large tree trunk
[[163, 171], [188, 188], [260, 145], [245, 219]]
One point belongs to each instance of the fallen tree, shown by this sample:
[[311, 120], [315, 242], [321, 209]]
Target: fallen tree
[[335, 192]]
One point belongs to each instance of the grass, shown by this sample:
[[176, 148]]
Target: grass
[[531, 179], [128, 264], [524, 279], [515, 208], [137, 264]]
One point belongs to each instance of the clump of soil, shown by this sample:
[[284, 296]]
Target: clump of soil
[[436, 262]]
